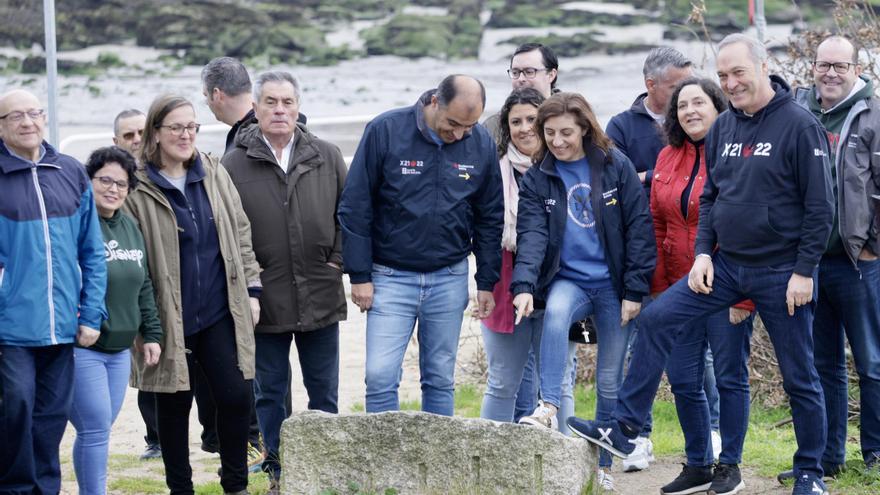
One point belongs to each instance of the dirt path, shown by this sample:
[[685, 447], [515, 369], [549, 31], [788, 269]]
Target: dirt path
[[666, 469]]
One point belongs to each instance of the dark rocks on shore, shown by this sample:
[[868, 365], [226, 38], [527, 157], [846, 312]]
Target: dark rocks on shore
[[580, 44], [276, 31], [455, 35], [547, 13], [293, 31]]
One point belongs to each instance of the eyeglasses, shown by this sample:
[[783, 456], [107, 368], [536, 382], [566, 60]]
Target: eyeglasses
[[19, 116], [128, 136], [178, 129], [839, 67], [529, 72], [108, 182]]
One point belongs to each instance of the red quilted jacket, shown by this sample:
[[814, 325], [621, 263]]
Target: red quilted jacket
[[676, 235]]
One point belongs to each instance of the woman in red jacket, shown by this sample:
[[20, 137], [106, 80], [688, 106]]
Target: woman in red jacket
[[679, 175]]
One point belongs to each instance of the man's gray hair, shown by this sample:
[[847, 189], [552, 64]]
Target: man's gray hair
[[278, 76], [228, 74], [757, 51], [131, 112], [660, 59]]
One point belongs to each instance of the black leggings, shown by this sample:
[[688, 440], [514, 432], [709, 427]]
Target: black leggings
[[213, 350]]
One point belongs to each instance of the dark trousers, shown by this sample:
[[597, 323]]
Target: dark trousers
[[147, 407], [213, 351], [318, 352], [849, 305], [663, 322], [207, 412], [36, 390], [686, 370]]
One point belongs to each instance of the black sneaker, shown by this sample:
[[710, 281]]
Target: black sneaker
[[693, 479], [210, 447], [726, 480], [809, 484], [605, 434], [831, 472], [153, 451], [872, 460]]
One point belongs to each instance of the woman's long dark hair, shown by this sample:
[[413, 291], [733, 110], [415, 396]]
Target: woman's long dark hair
[[675, 135], [521, 96]]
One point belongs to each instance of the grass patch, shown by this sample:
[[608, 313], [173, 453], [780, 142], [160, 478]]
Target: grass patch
[[130, 484], [118, 462], [258, 484]]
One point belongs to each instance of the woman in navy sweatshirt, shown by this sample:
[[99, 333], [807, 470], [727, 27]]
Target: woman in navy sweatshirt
[[585, 246]]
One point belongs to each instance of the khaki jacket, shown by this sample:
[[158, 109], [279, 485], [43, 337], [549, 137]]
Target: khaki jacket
[[148, 205]]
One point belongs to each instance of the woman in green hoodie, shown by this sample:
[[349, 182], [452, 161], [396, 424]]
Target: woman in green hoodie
[[102, 370]]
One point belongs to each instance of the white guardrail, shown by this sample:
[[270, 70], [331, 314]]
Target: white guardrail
[[107, 137]]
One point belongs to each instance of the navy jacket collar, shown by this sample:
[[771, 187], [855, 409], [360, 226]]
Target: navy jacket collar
[[195, 173], [11, 162], [594, 154]]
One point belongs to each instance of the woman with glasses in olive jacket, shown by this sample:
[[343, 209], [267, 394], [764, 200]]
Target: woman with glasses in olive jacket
[[207, 286]]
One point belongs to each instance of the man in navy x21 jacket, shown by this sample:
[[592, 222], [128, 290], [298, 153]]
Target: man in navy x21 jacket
[[423, 192]]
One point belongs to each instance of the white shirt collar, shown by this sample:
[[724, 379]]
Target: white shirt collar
[[285, 152], [658, 117]]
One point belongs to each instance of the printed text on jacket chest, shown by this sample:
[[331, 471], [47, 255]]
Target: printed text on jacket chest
[[746, 150], [411, 167]]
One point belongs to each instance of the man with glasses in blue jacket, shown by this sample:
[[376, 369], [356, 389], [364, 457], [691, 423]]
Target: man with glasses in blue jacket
[[53, 278]]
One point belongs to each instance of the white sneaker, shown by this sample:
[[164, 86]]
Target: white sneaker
[[605, 481], [716, 445], [640, 458], [649, 448], [543, 416]]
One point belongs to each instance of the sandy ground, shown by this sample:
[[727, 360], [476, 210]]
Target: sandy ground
[[128, 431]]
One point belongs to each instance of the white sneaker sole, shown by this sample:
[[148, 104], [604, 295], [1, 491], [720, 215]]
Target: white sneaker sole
[[737, 488], [633, 466], [604, 445], [688, 491]]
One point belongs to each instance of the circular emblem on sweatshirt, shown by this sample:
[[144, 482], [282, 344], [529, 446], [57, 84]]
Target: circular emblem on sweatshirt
[[579, 210]]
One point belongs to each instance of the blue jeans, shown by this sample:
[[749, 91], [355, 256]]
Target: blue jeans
[[436, 300], [567, 302], [667, 319], [318, 352], [633, 327], [711, 389], [527, 395], [686, 373], [36, 388], [98, 391], [566, 401], [507, 355], [849, 304]]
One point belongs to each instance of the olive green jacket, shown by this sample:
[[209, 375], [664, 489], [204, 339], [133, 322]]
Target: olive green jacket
[[147, 204]]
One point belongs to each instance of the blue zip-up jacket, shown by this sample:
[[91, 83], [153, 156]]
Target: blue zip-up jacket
[[202, 272], [767, 200], [623, 223], [53, 276], [639, 137], [414, 205]]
